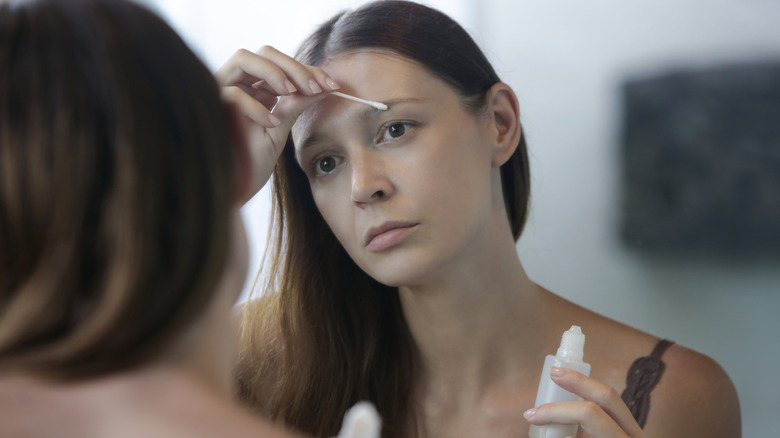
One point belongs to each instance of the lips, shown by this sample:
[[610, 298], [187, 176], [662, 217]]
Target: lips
[[388, 234]]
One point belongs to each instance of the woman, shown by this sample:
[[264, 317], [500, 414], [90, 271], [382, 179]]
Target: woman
[[122, 250], [393, 274]]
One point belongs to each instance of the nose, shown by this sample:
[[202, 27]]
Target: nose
[[370, 179]]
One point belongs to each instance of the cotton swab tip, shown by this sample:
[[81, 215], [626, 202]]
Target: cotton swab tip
[[378, 105]]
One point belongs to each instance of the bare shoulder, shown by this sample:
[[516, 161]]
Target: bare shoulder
[[611, 346], [695, 397]]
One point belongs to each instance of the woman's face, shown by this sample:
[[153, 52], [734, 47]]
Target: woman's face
[[404, 190]]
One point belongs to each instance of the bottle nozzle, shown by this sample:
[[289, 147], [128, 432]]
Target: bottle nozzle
[[572, 343]]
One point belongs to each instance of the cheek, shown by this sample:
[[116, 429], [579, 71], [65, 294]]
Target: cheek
[[336, 215], [457, 170]]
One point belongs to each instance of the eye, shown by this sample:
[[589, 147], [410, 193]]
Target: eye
[[395, 130], [325, 165]]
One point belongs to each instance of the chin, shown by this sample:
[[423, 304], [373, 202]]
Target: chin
[[405, 271]]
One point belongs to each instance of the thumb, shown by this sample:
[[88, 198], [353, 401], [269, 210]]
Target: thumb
[[287, 110]]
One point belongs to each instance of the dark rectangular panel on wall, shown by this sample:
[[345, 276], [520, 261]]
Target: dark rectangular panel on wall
[[701, 160]]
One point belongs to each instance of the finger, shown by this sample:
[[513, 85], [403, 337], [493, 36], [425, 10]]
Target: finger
[[231, 72], [307, 80], [588, 415], [274, 71], [246, 68], [262, 90], [287, 110], [603, 395], [250, 107], [323, 78], [266, 143], [320, 76]]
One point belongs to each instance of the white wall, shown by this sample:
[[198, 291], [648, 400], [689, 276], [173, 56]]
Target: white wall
[[566, 60]]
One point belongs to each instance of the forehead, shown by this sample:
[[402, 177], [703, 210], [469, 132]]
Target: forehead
[[376, 75], [373, 67]]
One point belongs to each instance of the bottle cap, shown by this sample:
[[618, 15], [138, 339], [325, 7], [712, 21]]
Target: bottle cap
[[361, 421], [572, 344]]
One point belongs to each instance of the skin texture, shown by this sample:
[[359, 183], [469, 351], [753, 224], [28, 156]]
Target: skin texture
[[384, 176], [481, 326]]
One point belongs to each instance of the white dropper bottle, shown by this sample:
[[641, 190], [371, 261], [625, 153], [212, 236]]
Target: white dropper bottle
[[569, 356], [361, 421]]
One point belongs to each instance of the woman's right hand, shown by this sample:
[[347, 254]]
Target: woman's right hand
[[253, 83]]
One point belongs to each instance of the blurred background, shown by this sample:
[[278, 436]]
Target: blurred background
[[569, 63]]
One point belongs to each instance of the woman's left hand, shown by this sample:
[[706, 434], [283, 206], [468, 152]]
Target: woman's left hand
[[602, 413]]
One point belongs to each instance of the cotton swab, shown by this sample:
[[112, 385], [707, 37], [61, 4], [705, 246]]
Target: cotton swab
[[378, 105]]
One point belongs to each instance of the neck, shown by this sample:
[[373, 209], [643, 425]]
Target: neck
[[473, 323]]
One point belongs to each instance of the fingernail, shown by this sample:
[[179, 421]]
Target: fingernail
[[314, 87], [274, 120], [289, 85], [557, 372], [332, 84], [529, 413]]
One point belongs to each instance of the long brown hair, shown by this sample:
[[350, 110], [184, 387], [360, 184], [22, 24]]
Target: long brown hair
[[326, 335], [116, 186]]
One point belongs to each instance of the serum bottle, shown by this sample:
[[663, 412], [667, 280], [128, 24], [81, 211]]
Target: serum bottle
[[569, 356]]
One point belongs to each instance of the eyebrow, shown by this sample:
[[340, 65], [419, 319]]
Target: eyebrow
[[369, 113], [309, 142]]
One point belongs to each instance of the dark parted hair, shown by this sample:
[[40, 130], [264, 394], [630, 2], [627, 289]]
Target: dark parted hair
[[116, 186], [327, 335]]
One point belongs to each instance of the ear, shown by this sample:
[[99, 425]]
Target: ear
[[240, 145], [504, 117]]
